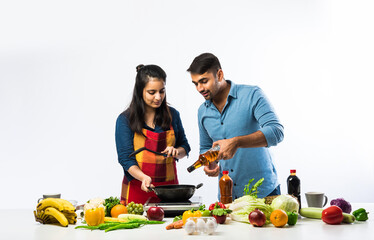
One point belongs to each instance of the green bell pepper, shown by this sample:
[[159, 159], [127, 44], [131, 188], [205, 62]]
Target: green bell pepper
[[292, 218], [361, 214]]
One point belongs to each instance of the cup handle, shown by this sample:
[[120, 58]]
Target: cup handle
[[326, 199], [40, 199]]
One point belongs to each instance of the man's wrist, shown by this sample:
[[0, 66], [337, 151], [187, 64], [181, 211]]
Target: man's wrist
[[237, 142]]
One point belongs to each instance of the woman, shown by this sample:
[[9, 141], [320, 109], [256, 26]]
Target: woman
[[149, 122]]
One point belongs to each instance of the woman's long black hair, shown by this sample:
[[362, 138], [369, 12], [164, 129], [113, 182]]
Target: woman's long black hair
[[136, 110]]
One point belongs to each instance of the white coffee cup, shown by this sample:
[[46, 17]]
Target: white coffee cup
[[316, 199]]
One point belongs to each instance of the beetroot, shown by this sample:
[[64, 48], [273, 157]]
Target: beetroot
[[343, 204]]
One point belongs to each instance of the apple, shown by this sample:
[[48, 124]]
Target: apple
[[155, 213], [257, 218]]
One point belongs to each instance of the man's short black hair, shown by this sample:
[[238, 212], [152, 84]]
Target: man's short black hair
[[204, 63]]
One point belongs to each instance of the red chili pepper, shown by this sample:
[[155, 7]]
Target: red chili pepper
[[332, 215], [216, 205]]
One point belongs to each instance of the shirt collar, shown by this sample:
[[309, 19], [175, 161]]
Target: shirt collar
[[232, 93]]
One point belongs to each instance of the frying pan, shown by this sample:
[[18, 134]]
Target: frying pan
[[175, 192]]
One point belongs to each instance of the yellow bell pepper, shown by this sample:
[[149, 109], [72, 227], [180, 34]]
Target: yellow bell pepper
[[94, 216], [187, 214]]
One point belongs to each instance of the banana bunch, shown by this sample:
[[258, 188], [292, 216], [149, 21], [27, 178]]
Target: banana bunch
[[55, 211]]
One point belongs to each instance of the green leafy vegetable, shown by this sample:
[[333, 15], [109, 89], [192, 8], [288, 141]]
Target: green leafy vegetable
[[177, 218], [243, 206], [252, 191], [221, 211], [109, 204], [286, 203], [202, 207]]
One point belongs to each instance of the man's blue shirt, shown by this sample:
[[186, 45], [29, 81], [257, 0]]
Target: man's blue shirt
[[247, 110]]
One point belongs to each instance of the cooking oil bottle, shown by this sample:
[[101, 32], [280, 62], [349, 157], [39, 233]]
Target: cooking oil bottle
[[205, 158]]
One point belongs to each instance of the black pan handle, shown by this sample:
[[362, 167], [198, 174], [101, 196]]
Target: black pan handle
[[199, 185], [150, 188], [144, 148]]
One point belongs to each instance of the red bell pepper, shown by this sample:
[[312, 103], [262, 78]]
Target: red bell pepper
[[332, 215], [216, 205]]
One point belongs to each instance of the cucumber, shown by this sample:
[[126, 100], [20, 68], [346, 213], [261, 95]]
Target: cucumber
[[348, 218], [130, 217], [311, 212], [316, 213]]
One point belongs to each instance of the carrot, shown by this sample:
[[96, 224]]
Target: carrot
[[175, 225], [170, 226], [178, 224]]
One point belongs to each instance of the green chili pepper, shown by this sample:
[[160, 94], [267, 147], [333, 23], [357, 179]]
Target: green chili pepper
[[292, 218], [361, 214], [123, 226], [100, 226], [87, 227]]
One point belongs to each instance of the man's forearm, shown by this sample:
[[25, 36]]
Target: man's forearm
[[253, 140]]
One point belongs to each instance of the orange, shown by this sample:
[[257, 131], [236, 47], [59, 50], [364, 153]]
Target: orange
[[278, 218], [117, 210]]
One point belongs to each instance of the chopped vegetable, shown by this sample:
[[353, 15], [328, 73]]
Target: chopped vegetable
[[286, 203], [361, 214], [343, 204]]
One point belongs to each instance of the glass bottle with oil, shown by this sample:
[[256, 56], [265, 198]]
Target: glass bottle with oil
[[205, 158]]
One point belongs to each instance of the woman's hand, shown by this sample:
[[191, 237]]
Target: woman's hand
[[171, 152], [146, 182]]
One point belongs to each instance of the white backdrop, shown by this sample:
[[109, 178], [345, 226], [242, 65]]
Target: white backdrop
[[67, 70]]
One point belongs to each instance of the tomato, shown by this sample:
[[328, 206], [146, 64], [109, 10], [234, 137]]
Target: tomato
[[332, 215], [219, 205]]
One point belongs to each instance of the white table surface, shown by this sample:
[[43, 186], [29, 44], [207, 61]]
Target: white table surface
[[20, 224]]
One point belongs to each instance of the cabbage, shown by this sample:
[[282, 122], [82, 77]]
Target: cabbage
[[243, 206], [343, 204], [286, 203]]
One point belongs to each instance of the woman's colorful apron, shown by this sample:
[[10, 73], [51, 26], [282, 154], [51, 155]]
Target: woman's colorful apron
[[162, 170]]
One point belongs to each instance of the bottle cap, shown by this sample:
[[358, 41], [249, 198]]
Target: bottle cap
[[293, 171], [190, 169], [225, 172]]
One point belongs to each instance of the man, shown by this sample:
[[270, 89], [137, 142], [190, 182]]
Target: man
[[242, 122]]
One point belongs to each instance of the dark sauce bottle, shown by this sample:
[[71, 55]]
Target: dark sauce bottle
[[293, 186]]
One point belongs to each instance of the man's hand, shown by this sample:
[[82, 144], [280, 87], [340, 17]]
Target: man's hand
[[212, 170], [227, 149]]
